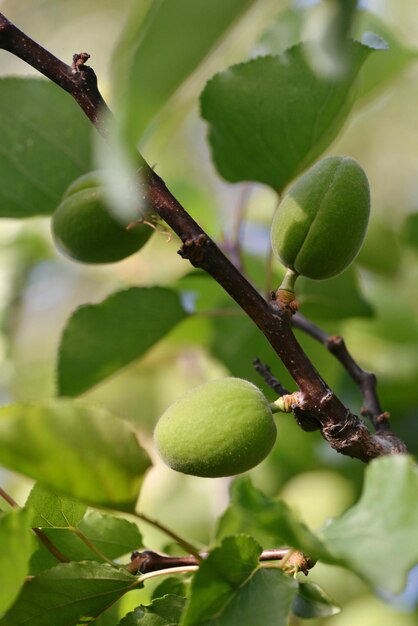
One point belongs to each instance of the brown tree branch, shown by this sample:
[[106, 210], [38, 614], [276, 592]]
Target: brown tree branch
[[344, 431], [78, 79], [366, 381], [149, 561]]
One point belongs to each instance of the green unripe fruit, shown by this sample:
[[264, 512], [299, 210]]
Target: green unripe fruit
[[86, 181], [85, 230], [321, 222], [221, 428]]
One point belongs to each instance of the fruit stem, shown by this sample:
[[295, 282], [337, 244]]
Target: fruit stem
[[277, 406], [285, 403], [285, 295], [288, 282]]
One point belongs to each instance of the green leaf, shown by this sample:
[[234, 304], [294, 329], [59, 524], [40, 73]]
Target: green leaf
[[377, 538], [164, 611], [270, 521], [380, 251], [395, 322], [173, 585], [410, 231], [111, 536], [16, 547], [139, 617], [163, 43], [272, 117], [236, 342], [312, 601], [81, 451], [100, 339], [230, 589], [220, 577], [199, 292], [110, 616], [53, 510], [41, 560], [45, 141], [70, 594], [335, 298]]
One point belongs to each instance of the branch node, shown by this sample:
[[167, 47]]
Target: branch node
[[334, 342], [285, 301], [382, 421], [299, 562], [79, 60], [193, 248]]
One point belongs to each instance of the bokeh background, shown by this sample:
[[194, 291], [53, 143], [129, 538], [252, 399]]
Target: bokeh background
[[39, 288]]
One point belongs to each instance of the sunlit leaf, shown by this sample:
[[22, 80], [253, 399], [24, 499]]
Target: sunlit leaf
[[312, 601], [109, 536], [100, 339], [230, 589], [45, 144], [377, 538], [165, 611], [269, 520], [113, 536], [16, 546], [271, 117], [78, 450], [162, 44], [70, 594], [53, 510]]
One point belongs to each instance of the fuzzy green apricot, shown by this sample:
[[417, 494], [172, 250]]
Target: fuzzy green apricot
[[89, 180], [85, 230], [321, 222], [221, 428]]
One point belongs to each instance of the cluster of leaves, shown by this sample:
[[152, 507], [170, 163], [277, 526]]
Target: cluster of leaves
[[230, 586], [269, 118]]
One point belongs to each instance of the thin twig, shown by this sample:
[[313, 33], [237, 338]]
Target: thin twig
[[366, 381], [8, 498], [183, 543], [269, 379], [50, 546], [90, 545], [150, 561]]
